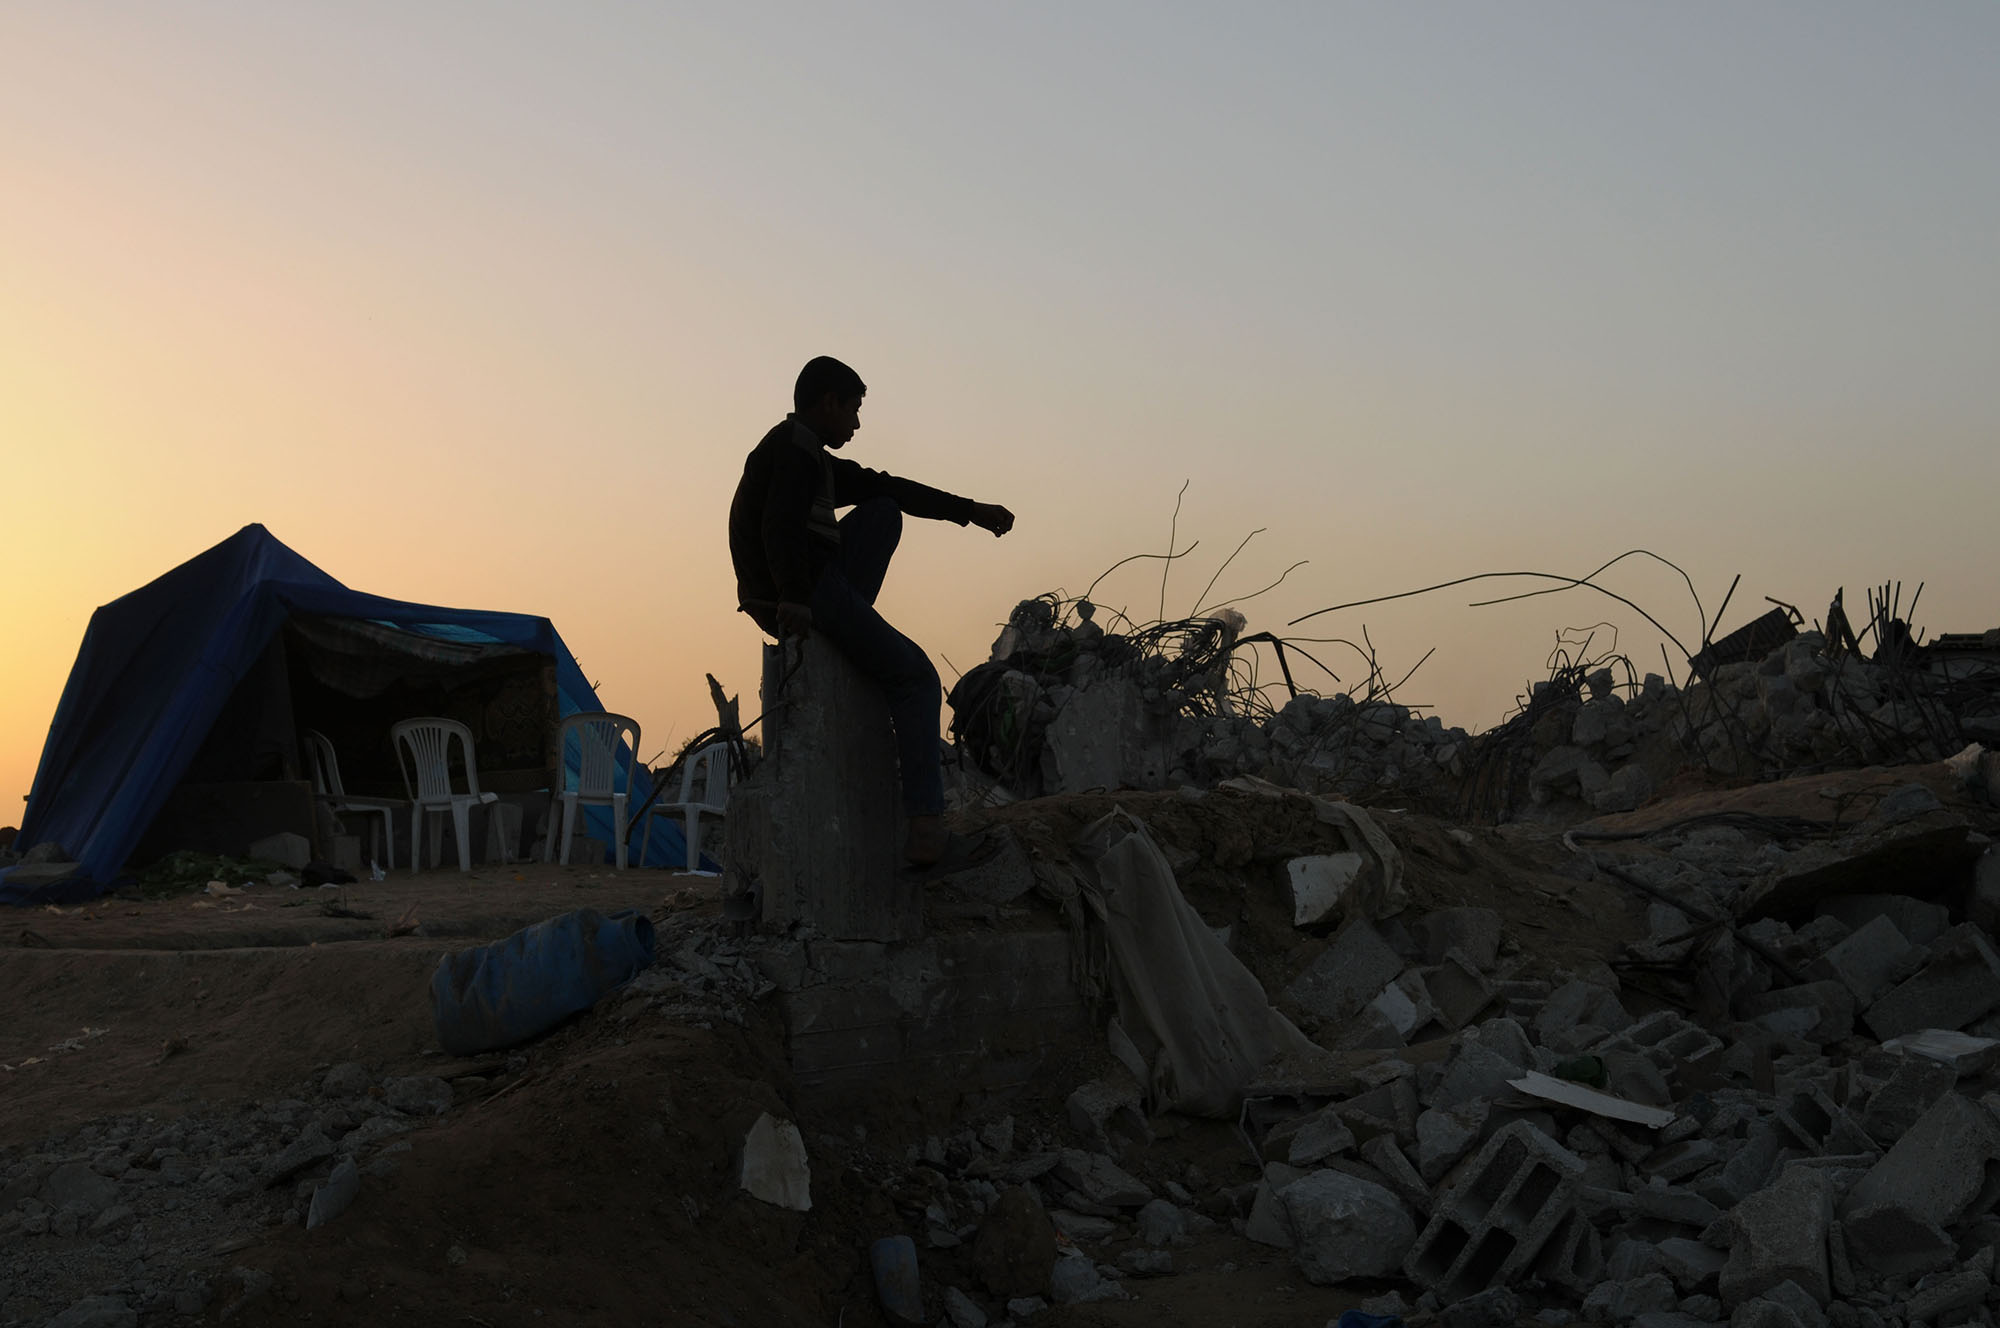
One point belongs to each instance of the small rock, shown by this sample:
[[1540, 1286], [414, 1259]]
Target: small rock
[[349, 1079], [331, 1199], [1146, 1263], [418, 1095], [1015, 1248], [1026, 1307], [1161, 1223], [961, 1310], [1076, 1281]]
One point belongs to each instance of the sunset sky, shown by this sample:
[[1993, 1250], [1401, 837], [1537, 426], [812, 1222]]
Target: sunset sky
[[483, 304]]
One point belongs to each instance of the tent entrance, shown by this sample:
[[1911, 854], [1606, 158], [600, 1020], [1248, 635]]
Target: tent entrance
[[352, 679]]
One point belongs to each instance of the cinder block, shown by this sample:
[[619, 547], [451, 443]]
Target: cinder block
[[1938, 1168], [1821, 1126], [1488, 1228], [1574, 1256], [1869, 961], [1960, 983]]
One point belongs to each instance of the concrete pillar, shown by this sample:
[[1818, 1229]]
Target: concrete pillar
[[818, 830]]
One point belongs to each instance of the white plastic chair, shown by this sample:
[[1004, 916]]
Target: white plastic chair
[[326, 783], [711, 764], [597, 733], [428, 741]]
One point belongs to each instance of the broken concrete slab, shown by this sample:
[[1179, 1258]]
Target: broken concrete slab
[[1474, 932], [1933, 846], [1580, 1003], [1400, 1175], [1816, 1012], [1318, 885], [1963, 1053], [1100, 1180], [1960, 982], [1870, 960], [1920, 921], [1938, 1168], [1781, 1235], [1895, 1241], [1459, 991], [1355, 965], [774, 1167], [1344, 1227], [1405, 1004], [1901, 1100]]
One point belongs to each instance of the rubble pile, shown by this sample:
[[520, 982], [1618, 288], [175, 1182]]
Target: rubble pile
[[1065, 706], [134, 1215]]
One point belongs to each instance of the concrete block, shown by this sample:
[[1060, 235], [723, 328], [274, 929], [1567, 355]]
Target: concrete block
[[1318, 884], [284, 848], [815, 834], [1101, 1180], [1621, 1302], [1939, 1167], [1269, 1223], [1919, 921], [1873, 958], [1405, 1004], [1961, 1290], [1815, 1012], [1445, 1136], [1821, 1126], [1894, 1241], [1488, 1228], [1982, 903], [1579, 1003], [1781, 1235], [1959, 983], [1474, 1072], [1355, 965], [1692, 1265], [1474, 932], [1962, 1053], [1574, 1255], [1680, 1160], [1344, 1227], [1913, 1088], [1398, 1172], [1459, 990]]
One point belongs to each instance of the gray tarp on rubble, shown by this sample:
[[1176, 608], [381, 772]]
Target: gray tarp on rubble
[[1194, 1024]]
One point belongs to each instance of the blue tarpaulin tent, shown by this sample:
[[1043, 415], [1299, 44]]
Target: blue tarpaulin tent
[[158, 665]]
